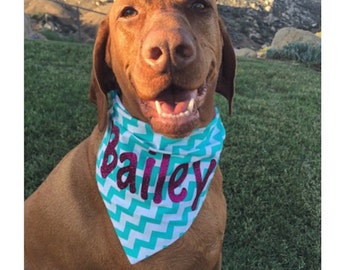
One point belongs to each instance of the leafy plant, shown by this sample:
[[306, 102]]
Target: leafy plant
[[55, 36], [297, 51]]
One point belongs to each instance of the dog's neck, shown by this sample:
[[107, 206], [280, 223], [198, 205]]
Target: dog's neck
[[146, 179]]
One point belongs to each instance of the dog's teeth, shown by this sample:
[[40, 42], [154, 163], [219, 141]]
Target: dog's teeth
[[191, 105], [186, 113], [174, 116], [158, 107]]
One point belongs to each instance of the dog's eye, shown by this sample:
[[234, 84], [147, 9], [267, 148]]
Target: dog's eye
[[200, 5], [128, 12]]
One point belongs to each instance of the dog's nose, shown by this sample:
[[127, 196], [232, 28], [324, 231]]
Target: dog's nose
[[168, 50]]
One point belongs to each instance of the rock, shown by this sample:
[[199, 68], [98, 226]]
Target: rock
[[288, 35], [27, 26], [245, 52], [270, 16], [50, 26], [28, 32]]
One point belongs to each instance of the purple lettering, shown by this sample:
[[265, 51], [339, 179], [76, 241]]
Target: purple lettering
[[150, 162], [106, 167], [130, 170], [174, 183], [126, 176], [201, 184], [161, 178]]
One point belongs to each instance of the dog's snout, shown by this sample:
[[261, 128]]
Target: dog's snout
[[164, 50]]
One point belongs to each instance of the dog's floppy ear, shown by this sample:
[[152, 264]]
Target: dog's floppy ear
[[102, 77], [225, 83]]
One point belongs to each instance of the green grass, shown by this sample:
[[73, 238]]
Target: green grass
[[270, 162], [271, 165], [58, 114]]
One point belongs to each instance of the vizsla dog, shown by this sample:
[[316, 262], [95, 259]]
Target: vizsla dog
[[165, 60]]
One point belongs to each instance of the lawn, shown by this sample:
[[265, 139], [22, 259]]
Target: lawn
[[271, 160]]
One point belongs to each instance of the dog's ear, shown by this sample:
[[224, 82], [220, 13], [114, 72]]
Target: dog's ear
[[102, 76], [225, 83]]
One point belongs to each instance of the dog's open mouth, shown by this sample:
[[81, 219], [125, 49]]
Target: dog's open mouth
[[175, 111]]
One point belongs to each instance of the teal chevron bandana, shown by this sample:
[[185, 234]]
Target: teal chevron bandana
[[153, 187]]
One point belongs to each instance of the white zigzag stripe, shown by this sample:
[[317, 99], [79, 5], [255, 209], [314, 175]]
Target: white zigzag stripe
[[122, 115], [184, 150], [124, 219], [161, 242], [183, 142], [111, 206], [150, 227], [104, 189], [145, 235], [102, 148], [136, 130]]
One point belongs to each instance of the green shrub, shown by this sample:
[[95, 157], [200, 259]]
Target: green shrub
[[301, 52], [55, 36]]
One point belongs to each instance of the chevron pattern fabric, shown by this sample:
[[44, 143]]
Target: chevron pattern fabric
[[152, 186]]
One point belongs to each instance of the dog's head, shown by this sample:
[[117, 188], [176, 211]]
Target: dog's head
[[167, 58]]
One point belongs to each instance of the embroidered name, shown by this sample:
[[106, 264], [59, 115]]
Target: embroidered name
[[177, 176]]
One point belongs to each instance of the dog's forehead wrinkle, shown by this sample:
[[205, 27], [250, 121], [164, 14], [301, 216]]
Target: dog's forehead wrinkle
[[159, 3], [163, 3]]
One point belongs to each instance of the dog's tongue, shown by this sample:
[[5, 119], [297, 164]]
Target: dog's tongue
[[175, 103], [175, 108]]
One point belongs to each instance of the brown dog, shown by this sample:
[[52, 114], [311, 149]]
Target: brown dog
[[167, 52]]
